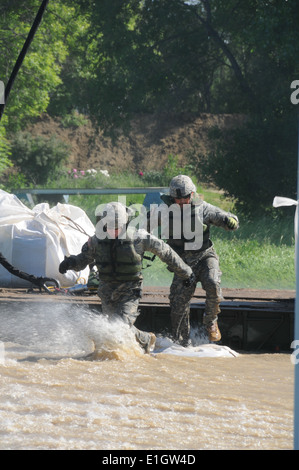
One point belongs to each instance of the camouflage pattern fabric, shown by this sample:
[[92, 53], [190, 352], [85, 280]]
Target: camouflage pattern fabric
[[122, 300], [205, 265], [206, 270], [181, 186], [213, 215], [143, 242]]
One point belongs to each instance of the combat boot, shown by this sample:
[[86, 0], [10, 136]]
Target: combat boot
[[213, 331]]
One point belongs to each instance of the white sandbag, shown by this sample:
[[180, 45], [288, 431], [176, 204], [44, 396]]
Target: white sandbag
[[36, 241], [167, 346]]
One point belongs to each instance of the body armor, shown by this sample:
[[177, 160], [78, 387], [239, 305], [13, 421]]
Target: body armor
[[117, 259], [178, 243]]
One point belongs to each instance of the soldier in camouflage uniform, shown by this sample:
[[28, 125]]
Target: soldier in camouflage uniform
[[118, 250], [203, 261]]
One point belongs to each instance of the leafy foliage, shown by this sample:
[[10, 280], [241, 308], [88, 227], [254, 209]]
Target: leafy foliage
[[39, 75], [162, 178], [111, 60], [39, 158], [253, 163], [4, 150]]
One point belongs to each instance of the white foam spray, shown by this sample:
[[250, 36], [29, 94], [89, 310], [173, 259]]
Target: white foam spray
[[55, 330]]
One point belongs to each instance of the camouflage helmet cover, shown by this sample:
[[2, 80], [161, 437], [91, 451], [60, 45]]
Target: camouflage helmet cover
[[181, 186], [114, 214]]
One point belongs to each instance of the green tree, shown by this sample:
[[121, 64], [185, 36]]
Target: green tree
[[145, 56], [253, 163], [259, 161], [40, 74], [5, 150], [114, 59], [49, 63], [39, 158]]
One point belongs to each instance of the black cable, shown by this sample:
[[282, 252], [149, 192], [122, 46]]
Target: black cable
[[23, 53], [40, 282]]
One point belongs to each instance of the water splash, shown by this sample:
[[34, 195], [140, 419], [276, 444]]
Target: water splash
[[198, 335], [113, 339], [53, 331]]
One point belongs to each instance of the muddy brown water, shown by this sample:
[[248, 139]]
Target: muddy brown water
[[57, 394]]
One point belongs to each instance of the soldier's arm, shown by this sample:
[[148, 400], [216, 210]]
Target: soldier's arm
[[83, 259], [213, 215], [148, 242]]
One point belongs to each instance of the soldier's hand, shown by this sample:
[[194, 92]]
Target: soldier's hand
[[65, 265], [232, 223], [191, 280]]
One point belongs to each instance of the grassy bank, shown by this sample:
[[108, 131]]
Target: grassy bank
[[253, 261], [261, 254]]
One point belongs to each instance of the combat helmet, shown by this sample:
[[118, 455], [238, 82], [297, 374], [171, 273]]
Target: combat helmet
[[113, 214], [181, 186]]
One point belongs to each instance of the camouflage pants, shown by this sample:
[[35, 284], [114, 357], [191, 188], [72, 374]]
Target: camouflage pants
[[206, 269], [122, 299]]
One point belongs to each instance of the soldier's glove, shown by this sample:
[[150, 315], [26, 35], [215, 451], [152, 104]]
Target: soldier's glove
[[66, 264], [232, 223], [191, 280]]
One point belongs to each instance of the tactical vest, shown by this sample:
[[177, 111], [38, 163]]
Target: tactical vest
[[117, 259], [178, 244]]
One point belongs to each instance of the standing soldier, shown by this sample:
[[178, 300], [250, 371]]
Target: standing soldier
[[117, 250], [202, 258]]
